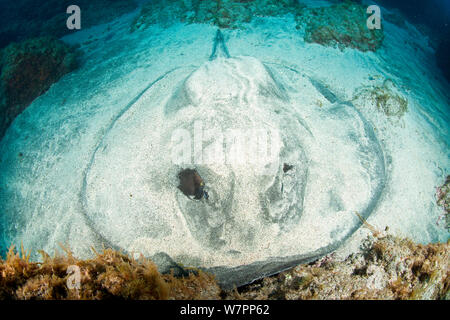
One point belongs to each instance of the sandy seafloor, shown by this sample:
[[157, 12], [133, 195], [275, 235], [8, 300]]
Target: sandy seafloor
[[59, 132]]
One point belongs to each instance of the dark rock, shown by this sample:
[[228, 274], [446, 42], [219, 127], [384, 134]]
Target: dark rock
[[166, 265], [287, 167]]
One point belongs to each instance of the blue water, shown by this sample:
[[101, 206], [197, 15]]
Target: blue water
[[435, 14]]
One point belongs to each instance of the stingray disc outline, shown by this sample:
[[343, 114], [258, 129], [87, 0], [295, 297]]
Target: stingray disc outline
[[230, 276]]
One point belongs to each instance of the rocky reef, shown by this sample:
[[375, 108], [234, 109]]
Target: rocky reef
[[342, 25], [28, 69], [443, 200], [222, 13], [386, 268]]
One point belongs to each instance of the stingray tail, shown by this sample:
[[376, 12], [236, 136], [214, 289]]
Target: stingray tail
[[220, 48]]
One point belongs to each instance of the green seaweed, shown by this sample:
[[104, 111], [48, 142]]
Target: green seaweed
[[385, 98], [110, 274], [415, 271]]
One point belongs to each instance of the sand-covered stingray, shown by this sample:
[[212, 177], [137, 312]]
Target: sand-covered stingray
[[259, 219], [240, 123]]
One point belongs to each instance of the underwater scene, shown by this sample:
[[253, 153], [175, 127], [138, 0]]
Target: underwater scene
[[224, 149]]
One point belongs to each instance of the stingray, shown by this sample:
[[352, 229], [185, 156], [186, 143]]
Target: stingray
[[237, 91], [305, 171]]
